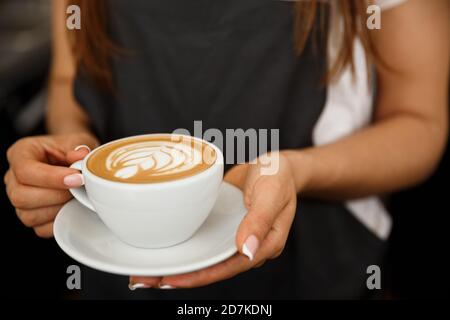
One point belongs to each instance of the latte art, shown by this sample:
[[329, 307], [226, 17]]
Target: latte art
[[151, 158], [156, 159]]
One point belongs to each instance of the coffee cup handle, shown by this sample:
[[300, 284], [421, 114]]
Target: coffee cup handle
[[80, 193]]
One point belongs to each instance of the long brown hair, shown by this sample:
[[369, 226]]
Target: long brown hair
[[93, 47]]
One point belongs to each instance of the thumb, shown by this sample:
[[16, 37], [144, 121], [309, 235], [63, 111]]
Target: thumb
[[264, 208], [78, 146]]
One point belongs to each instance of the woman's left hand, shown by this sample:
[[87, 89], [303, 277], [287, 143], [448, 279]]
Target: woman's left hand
[[271, 202]]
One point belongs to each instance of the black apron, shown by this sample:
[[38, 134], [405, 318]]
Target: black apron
[[230, 64]]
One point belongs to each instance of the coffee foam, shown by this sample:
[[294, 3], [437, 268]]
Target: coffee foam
[[151, 159]]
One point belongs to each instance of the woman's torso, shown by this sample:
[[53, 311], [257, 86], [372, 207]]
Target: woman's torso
[[230, 64]]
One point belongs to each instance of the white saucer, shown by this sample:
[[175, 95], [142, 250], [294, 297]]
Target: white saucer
[[84, 237]]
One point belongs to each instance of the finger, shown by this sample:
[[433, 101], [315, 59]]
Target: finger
[[30, 157], [260, 264], [66, 143], [251, 180], [279, 233], [69, 148], [252, 177], [79, 153], [39, 148], [44, 231], [25, 152], [38, 174], [37, 217], [275, 240], [137, 282], [236, 175], [266, 203], [80, 140], [56, 157], [271, 247], [78, 146], [222, 271], [7, 177], [28, 197]]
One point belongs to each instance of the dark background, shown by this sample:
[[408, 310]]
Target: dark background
[[36, 268]]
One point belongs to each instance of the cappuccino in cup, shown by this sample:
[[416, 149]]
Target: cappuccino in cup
[[152, 159], [152, 191]]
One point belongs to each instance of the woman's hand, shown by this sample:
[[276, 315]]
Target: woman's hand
[[38, 179], [271, 202]]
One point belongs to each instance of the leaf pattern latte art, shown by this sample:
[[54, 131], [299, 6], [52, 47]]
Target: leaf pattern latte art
[[152, 158]]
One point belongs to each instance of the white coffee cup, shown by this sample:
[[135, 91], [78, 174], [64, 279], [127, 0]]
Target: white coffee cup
[[152, 215]]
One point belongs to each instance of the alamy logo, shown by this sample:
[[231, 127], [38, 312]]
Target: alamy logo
[[373, 22], [240, 144], [74, 278], [374, 19], [73, 21], [374, 280]]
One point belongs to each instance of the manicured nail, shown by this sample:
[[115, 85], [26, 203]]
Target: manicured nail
[[83, 146], [250, 247], [134, 286], [166, 286], [74, 180]]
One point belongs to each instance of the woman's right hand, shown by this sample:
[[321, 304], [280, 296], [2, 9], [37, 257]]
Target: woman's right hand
[[38, 178]]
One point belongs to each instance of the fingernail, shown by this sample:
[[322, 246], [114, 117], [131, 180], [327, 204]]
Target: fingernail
[[134, 286], [250, 246], [166, 286], [83, 146], [74, 180]]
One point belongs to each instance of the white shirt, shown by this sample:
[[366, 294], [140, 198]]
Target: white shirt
[[349, 107]]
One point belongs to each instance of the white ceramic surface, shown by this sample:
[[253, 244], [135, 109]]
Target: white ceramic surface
[[153, 215], [85, 238]]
